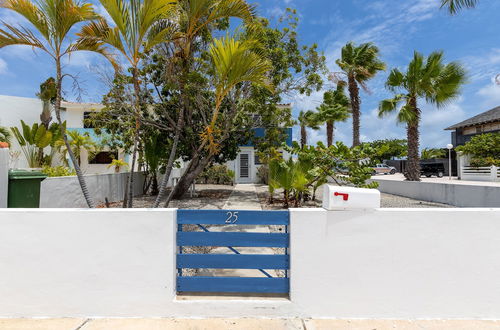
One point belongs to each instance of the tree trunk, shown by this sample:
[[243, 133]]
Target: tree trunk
[[413, 135], [303, 136], [329, 133], [355, 108], [171, 160], [137, 91], [79, 174], [196, 166], [45, 117]]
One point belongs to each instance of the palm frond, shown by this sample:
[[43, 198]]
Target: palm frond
[[19, 36], [454, 6], [31, 12]]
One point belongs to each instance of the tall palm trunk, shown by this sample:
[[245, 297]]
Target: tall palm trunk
[[79, 174], [303, 136], [329, 133], [137, 90], [355, 106], [413, 134]]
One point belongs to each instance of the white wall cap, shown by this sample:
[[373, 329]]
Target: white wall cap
[[349, 198]]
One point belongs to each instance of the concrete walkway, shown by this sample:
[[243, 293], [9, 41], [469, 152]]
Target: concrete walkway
[[243, 197], [241, 324]]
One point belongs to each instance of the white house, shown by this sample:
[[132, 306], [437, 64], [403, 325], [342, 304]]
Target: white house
[[13, 109]]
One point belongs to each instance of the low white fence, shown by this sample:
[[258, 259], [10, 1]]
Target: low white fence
[[65, 191], [471, 173], [384, 263]]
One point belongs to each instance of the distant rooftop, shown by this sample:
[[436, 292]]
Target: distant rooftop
[[483, 118]]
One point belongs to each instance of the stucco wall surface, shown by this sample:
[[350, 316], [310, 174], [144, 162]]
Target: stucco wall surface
[[385, 263], [460, 195], [4, 176], [65, 191]]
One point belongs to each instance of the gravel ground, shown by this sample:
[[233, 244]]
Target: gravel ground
[[207, 197]]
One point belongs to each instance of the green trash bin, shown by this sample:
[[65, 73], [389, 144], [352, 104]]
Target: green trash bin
[[24, 188]]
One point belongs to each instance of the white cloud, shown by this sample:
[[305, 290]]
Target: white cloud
[[491, 96], [3, 66]]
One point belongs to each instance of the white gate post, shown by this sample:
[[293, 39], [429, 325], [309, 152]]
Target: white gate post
[[4, 176]]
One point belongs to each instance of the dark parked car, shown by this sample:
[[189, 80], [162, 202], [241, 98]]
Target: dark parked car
[[431, 169]]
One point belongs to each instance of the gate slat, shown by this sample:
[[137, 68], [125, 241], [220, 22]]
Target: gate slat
[[219, 217], [233, 284], [233, 261], [231, 239]]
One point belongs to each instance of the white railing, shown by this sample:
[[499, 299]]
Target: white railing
[[471, 173]]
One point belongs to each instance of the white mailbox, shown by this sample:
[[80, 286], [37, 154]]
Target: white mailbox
[[346, 198]]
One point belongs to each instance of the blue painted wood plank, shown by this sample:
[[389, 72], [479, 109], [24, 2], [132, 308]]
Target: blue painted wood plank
[[231, 239], [233, 261], [233, 284], [224, 217]]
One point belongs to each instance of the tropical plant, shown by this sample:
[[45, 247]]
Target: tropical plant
[[78, 142], [154, 156], [118, 164], [455, 6], [432, 153], [196, 19], [217, 174], [425, 78], [53, 20], [5, 134], [359, 64], [234, 62], [307, 119], [33, 139], [335, 108], [54, 171], [314, 166]]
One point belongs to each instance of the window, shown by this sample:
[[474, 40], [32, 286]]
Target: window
[[104, 157], [86, 115], [257, 160], [479, 129]]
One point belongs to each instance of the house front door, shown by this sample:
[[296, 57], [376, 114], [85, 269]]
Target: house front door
[[244, 169]]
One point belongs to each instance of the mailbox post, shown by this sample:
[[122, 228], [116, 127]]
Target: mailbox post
[[350, 198]]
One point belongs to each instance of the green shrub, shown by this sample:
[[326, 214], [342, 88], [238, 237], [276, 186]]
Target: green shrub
[[217, 174], [58, 171], [484, 162], [483, 146]]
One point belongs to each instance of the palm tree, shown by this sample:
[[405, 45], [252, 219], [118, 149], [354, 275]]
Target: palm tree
[[455, 5], [432, 153], [234, 62], [335, 108], [359, 64], [78, 142], [196, 17], [307, 119], [426, 78], [50, 24], [138, 27]]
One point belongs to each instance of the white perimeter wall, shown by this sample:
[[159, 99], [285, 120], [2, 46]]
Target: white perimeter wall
[[462, 195], [65, 191], [397, 263]]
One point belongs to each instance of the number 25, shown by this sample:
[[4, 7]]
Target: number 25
[[232, 217]]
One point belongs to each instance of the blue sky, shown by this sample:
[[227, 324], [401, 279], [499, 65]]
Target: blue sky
[[397, 27]]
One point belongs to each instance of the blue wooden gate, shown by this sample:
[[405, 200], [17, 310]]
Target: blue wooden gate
[[236, 260]]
